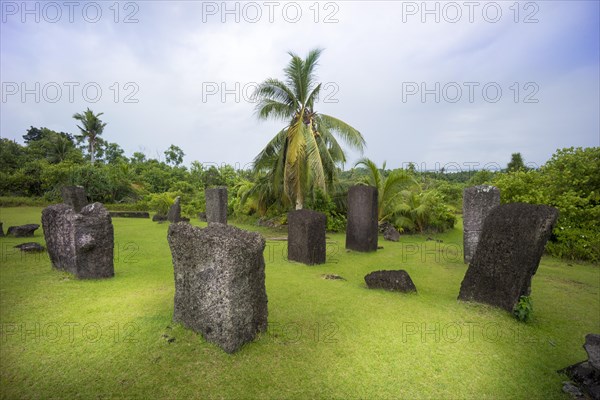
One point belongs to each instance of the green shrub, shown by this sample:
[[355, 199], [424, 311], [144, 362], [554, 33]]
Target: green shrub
[[452, 193], [575, 243], [523, 309], [336, 220], [193, 207], [160, 202], [14, 201]]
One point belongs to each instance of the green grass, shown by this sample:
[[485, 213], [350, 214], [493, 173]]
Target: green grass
[[68, 338]]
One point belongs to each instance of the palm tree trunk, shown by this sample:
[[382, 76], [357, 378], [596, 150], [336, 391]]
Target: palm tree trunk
[[92, 158]]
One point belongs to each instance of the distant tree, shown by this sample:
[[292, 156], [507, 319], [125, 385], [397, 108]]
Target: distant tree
[[138, 157], [33, 134], [481, 177], [91, 129], [212, 177], [12, 155], [196, 173], [516, 163], [113, 153], [228, 175], [174, 155], [59, 148], [54, 146], [412, 168]]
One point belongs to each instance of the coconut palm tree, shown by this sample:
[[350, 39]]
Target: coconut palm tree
[[305, 154], [92, 128], [389, 188], [59, 148]]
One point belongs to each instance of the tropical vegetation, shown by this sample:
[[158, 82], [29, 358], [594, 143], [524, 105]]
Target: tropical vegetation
[[302, 166]]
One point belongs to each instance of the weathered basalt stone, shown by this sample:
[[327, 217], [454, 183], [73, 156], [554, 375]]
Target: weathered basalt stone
[[80, 243], [174, 214], [383, 226], [216, 205], [30, 247], [306, 236], [395, 280], [159, 218], [592, 348], [586, 374], [74, 196], [333, 277], [572, 390], [362, 227], [391, 234], [219, 282], [478, 201], [508, 254], [22, 230], [269, 223]]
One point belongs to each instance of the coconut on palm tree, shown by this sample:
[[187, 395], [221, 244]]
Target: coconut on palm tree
[[306, 153], [91, 129]]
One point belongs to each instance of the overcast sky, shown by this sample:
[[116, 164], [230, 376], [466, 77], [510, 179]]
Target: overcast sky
[[454, 84]]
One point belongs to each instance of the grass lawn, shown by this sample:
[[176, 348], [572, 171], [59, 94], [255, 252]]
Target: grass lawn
[[68, 338]]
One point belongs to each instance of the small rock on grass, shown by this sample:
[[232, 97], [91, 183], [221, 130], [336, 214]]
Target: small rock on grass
[[394, 280], [574, 391], [30, 247], [333, 277]]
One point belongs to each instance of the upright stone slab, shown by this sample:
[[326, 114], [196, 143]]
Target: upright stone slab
[[219, 282], [478, 201], [508, 254], [362, 227], [306, 236], [216, 205], [586, 374], [174, 214], [80, 243], [74, 196], [592, 348]]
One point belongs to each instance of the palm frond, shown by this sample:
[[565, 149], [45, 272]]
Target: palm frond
[[333, 146], [296, 153], [313, 97], [314, 160], [351, 136], [373, 170], [270, 153], [267, 108], [294, 73]]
